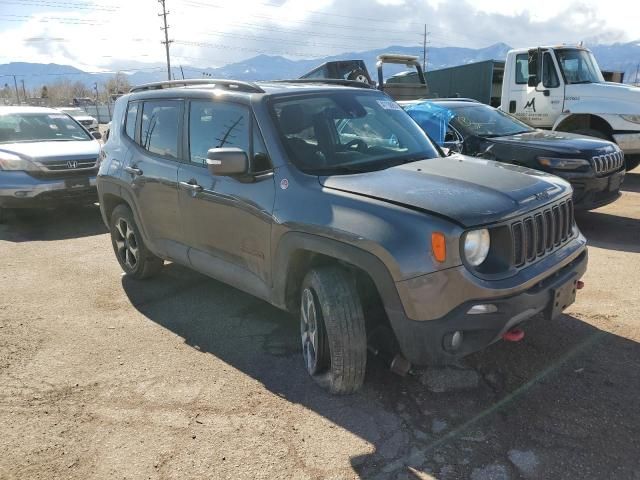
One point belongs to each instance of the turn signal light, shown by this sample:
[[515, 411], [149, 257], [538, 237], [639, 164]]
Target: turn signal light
[[439, 246]]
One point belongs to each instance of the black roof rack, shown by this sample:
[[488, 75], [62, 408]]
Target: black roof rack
[[326, 81], [228, 84]]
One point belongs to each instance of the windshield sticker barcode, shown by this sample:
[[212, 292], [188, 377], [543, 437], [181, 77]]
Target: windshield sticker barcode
[[389, 105]]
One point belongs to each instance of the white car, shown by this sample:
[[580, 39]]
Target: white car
[[87, 121]]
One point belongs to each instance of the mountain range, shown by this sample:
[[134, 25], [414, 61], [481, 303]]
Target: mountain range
[[619, 57]]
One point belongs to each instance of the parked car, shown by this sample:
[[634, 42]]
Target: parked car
[[253, 185], [46, 158], [86, 120], [594, 167]]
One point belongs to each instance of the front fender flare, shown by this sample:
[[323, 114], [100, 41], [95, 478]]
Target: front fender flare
[[292, 242]]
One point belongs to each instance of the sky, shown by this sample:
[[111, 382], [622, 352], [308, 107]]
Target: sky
[[112, 35]]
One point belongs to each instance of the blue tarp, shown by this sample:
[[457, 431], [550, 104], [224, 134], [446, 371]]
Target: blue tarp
[[432, 118]]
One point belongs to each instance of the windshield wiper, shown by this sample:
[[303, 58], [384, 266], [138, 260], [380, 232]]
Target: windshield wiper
[[582, 81]]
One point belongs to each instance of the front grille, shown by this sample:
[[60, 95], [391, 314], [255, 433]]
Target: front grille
[[70, 165], [608, 163], [537, 235]]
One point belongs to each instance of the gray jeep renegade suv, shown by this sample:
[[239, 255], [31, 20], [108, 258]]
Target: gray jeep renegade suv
[[331, 203]]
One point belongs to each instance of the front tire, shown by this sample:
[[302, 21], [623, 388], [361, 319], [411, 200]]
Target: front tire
[[133, 256], [332, 328]]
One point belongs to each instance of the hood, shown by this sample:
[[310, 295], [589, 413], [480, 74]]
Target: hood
[[560, 142], [609, 97], [44, 152], [467, 190]]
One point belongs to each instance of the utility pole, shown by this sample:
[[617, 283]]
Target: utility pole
[[15, 84], [182, 72], [166, 42], [24, 92], [95, 87], [424, 48]]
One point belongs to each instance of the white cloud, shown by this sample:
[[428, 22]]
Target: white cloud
[[126, 33]]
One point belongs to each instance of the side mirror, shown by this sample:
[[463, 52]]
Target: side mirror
[[227, 162], [96, 135], [532, 80]]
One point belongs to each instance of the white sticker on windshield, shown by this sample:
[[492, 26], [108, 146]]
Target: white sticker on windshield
[[389, 105], [57, 116]]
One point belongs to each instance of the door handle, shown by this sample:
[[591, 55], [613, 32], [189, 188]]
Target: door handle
[[192, 187], [133, 171]]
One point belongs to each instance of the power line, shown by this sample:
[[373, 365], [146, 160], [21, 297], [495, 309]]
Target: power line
[[311, 12], [80, 73], [55, 4]]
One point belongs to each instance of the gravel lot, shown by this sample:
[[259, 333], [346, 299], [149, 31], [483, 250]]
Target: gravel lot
[[184, 377]]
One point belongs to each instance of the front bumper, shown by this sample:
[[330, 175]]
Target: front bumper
[[423, 335], [591, 192], [20, 190], [629, 143]]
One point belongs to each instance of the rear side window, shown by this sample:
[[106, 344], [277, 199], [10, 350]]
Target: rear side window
[[130, 120], [522, 68], [217, 125], [160, 123]]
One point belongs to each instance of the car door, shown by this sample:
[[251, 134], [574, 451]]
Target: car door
[[227, 220], [541, 105], [152, 172]]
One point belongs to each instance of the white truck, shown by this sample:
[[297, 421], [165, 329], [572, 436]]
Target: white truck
[[562, 88]]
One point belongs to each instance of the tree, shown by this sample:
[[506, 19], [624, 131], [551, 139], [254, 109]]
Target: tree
[[118, 84], [44, 92]]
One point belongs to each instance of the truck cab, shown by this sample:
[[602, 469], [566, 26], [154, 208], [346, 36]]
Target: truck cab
[[562, 88]]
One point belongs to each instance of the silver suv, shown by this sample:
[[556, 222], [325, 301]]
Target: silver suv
[[46, 158]]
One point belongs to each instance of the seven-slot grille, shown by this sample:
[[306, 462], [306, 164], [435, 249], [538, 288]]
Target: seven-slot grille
[[65, 165], [607, 163], [541, 233]]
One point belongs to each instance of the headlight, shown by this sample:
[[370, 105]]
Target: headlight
[[631, 118], [476, 246], [9, 161], [563, 163]]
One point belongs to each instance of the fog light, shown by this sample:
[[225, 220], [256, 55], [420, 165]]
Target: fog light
[[483, 308], [21, 194]]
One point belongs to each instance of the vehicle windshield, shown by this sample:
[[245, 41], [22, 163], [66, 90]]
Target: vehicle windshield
[[484, 121], [40, 127], [579, 66], [346, 132]]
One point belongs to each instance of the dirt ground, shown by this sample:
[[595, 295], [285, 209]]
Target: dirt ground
[[183, 377]]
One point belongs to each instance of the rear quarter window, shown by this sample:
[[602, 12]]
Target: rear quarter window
[[130, 120]]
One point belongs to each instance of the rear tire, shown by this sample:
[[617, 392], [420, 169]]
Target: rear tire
[[332, 327], [133, 256]]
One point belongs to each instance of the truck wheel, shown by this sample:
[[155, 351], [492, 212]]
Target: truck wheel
[[332, 327], [132, 254], [632, 161]]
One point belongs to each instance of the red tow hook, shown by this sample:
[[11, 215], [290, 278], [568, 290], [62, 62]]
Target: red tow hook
[[514, 335], [579, 285]]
